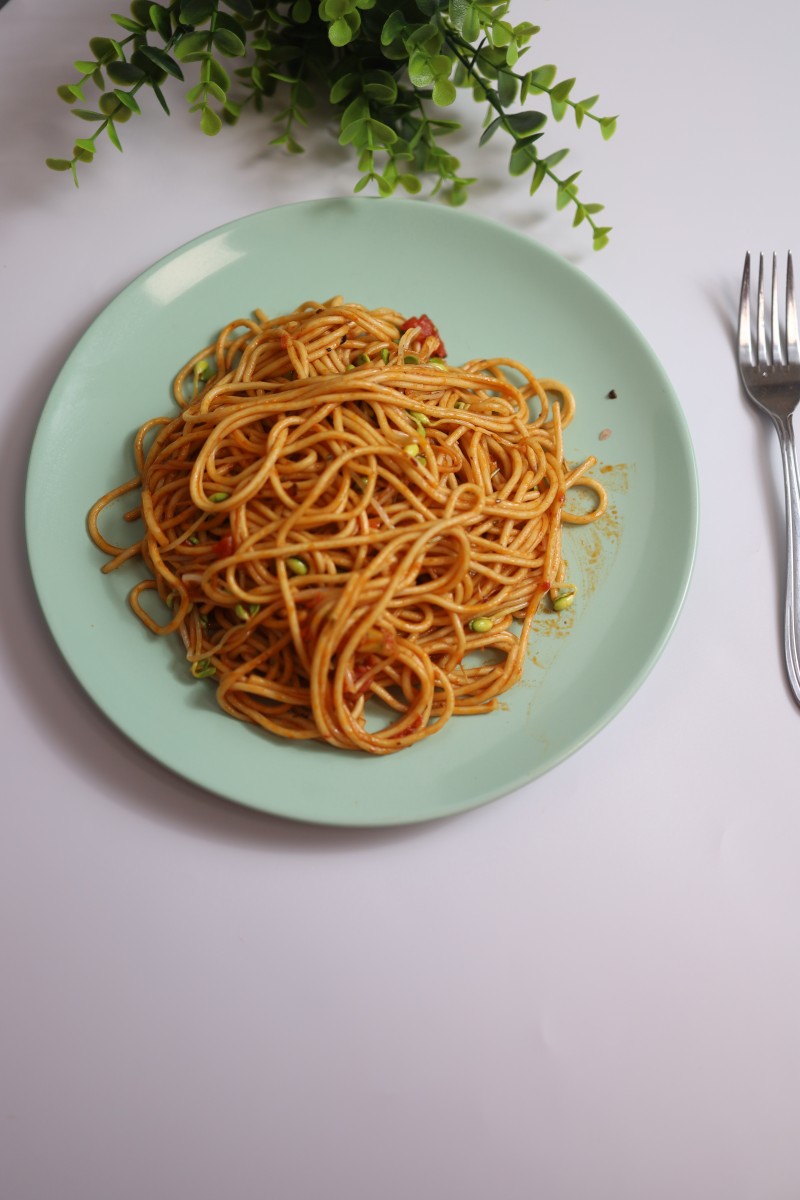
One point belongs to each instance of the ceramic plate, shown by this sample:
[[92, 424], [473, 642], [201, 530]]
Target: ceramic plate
[[493, 293]]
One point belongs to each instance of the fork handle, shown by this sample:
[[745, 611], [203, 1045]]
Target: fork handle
[[792, 488]]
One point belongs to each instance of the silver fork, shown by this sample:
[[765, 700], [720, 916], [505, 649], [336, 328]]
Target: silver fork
[[772, 380]]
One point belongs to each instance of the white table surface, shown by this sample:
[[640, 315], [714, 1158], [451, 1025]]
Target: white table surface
[[590, 988]]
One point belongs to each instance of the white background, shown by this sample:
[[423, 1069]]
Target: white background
[[587, 989]]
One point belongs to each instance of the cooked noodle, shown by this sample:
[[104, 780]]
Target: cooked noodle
[[337, 516]]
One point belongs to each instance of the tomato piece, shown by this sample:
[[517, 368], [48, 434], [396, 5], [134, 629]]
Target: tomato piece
[[225, 546], [426, 329]]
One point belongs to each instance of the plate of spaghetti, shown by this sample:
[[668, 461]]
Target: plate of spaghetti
[[351, 544]]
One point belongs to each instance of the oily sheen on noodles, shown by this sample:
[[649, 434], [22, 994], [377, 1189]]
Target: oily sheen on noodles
[[338, 518]]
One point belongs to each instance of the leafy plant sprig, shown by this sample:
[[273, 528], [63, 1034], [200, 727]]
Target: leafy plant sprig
[[385, 71]]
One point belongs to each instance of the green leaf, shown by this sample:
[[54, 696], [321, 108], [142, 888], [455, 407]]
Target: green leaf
[[124, 72], [523, 156], [77, 92], [539, 175], [471, 25], [608, 126], [444, 92], [339, 33], [226, 21], [524, 31], [86, 114], [457, 10], [594, 208], [160, 97], [512, 54], [361, 184], [600, 237], [113, 136], [228, 43], [490, 130], [506, 88], [97, 79], [357, 110], [523, 123], [382, 133], [501, 33], [555, 158], [104, 49], [85, 144], [393, 26], [567, 191], [419, 69], [140, 11], [210, 122], [580, 215], [127, 23], [68, 96], [458, 195], [293, 147], [427, 7], [148, 68], [343, 87], [542, 77], [211, 89], [562, 90], [160, 20], [380, 86], [195, 12], [191, 44], [58, 164], [162, 60], [243, 7], [301, 11], [127, 99], [84, 67], [354, 133], [411, 184], [108, 103], [441, 65], [218, 74], [385, 186]]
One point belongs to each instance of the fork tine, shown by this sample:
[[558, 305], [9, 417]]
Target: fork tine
[[792, 351], [777, 353], [745, 331], [760, 330]]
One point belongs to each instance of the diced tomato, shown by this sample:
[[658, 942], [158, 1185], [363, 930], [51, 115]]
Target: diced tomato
[[426, 329], [225, 546]]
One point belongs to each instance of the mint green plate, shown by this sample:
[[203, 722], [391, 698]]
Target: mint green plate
[[493, 293]]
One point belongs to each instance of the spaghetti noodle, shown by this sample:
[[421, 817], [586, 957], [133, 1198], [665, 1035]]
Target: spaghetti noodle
[[338, 519]]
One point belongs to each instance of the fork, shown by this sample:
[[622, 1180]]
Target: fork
[[772, 381]]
